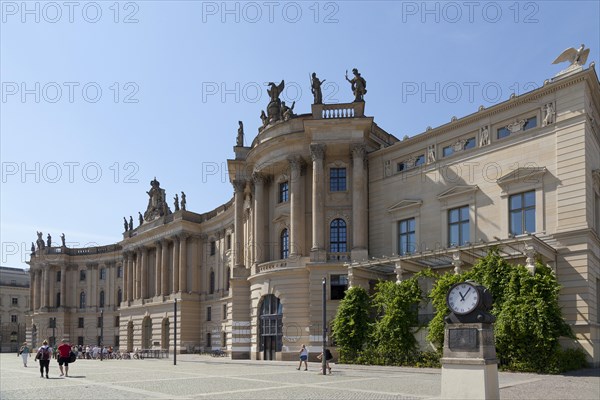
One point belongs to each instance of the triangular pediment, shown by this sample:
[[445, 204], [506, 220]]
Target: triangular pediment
[[457, 190], [525, 174], [405, 204], [281, 218]]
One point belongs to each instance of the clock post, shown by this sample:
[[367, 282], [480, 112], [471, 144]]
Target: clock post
[[469, 363]]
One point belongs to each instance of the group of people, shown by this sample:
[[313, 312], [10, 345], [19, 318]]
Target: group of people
[[303, 353], [44, 354]]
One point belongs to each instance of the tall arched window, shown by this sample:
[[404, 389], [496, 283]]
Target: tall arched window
[[211, 288], [101, 302], [337, 236], [284, 243], [82, 300], [228, 279], [119, 296]]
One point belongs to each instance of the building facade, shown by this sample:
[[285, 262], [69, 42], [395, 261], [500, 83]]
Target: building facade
[[14, 307], [332, 195]]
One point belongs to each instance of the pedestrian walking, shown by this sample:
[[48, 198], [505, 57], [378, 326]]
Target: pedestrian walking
[[64, 355], [44, 354], [303, 358], [328, 357], [24, 353]]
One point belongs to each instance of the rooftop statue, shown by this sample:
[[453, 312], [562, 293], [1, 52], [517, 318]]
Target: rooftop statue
[[274, 107], [577, 58], [240, 135], [140, 218], [287, 112], [125, 224], [359, 85], [130, 223], [40, 242], [176, 201], [264, 119], [315, 87], [183, 200], [62, 239], [49, 240], [156, 202]]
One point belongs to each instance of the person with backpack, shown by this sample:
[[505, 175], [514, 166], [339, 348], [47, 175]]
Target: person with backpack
[[44, 354]]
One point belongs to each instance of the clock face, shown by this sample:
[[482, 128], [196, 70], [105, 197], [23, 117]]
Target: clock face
[[463, 298]]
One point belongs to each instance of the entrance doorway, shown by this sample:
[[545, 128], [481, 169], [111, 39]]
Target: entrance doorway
[[271, 326]]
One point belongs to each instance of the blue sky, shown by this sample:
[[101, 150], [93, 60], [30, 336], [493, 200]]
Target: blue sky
[[97, 98]]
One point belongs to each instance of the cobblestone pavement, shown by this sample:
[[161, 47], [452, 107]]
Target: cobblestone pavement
[[204, 377]]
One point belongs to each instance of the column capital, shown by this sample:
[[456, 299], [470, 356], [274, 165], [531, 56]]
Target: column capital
[[317, 151], [183, 236], [239, 185], [259, 178], [358, 151]]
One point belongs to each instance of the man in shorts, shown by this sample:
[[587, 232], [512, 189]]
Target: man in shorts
[[64, 353]]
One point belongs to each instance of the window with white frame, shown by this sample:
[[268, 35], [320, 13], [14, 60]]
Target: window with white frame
[[406, 236], [522, 213], [458, 226]]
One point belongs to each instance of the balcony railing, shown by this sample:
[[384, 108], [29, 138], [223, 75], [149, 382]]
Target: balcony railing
[[343, 110]]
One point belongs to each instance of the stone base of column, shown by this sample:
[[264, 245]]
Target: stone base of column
[[318, 255], [359, 254]]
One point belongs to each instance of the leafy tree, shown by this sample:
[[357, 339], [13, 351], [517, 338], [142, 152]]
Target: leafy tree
[[397, 305], [352, 324]]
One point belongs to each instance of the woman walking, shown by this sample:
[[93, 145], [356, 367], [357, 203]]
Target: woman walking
[[44, 354], [303, 358], [24, 353]]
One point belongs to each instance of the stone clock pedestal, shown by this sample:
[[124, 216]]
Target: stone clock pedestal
[[469, 364]]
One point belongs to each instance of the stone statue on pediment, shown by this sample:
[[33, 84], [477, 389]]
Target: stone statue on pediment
[[32, 248], [157, 206], [49, 240], [274, 107], [176, 202], [264, 119], [62, 239], [125, 224], [183, 201], [287, 112], [315, 87], [40, 242], [140, 218], [130, 223], [359, 85], [576, 57], [240, 135]]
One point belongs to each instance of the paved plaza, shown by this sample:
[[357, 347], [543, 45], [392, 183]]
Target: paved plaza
[[204, 377]]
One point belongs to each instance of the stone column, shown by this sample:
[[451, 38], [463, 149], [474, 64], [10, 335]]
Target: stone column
[[175, 281], [109, 298], [259, 218], [359, 203], [144, 274], [183, 262], [164, 267], [89, 273], [40, 288], [238, 245], [158, 269], [296, 225], [63, 286], [137, 274], [129, 290], [51, 291], [32, 284], [194, 264], [317, 152]]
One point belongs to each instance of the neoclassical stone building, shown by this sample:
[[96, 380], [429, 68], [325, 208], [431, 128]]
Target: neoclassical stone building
[[331, 194], [14, 306]]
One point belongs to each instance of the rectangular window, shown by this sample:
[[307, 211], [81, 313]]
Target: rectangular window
[[502, 132], [117, 321], [420, 160], [79, 340], [58, 299], [337, 180], [458, 226], [447, 151], [15, 301], [406, 236], [80, 323], [52, 323], [284, 192], [119, 271], [102, 274], [400, 167], [13, 318], [469, 143], [209, 313], [82, 275], [117, 341], [100, 322], [530, 123], [522, 213], [58, 277], [229, 242], [213, 247], [338, 286], [208, 340], [224, 340], [224, 311]]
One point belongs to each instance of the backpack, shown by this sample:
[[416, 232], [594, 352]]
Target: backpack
[[43, 353], [328, 355]]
